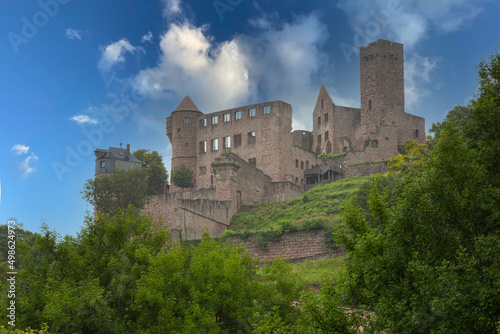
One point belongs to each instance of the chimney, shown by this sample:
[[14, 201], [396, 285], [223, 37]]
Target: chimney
[[127, 155]]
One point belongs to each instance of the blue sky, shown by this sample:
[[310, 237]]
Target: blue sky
[[80, 75]]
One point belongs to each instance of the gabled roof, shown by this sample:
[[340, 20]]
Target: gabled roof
[[115, 153], [187, 105]]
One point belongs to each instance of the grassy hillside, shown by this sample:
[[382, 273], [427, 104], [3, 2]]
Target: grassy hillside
[[316, 207], [315, 272]]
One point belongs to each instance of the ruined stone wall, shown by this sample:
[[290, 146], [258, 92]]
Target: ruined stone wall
[[296, 246], [303, 139], [364, 169], [162, 207], [302, 160], [410, 127], [344, 122], [263, 149], [196, 215]]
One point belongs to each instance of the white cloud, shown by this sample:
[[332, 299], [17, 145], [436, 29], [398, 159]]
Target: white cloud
[[84, 119], [20, 149], [147, 37], [418, 72], [216, 74], [114, 53], [408, 22], [171, 8], [279, 62], [25, 167], [73, 34]]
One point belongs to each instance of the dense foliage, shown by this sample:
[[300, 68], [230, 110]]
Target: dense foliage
[[156, 172], [182, 177], [116, 191]]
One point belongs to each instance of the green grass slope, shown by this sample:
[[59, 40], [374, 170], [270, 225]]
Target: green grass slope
[[315, 208]]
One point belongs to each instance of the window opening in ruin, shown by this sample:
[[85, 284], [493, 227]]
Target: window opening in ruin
[[237, 115], [344, 149], [179, 129], [369, 105], [215, 144], [302, 165], [215, 120], [319, 139], [203, 122], [297, 163], [251, 138], [237, 140], [266, 110], [186, 145], [416, 133], [301, 181], [327, 135], [328, 148], [227, 142], [322, 103], [203, 146], [103, 164], [203, 170], [252, 161], [187, 120], [386, 138], [296, 180], [227, 117], [251, 112], [307, 164], [319, 120], [374, 143], [326, 118]]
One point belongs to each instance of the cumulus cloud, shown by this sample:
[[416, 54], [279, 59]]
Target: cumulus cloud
[[25, 168], [20, 149], [84, 119], [114, 53], [418, 72], [147, 37], [73, 34], [408, 21], [278, 63]]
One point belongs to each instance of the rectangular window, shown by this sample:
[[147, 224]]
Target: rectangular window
[[252, 161], [319, 120], [187, 120], [227, 142], [203, 170], [265, 135], [215, 120], [302, 165], [326, 118], [251, 138], [266, 110], [203, 146], [237, 115], [319, 139], [237, 140], [327, 136], [203, 122], [215, 144], [297, 163], [416, 133], [251, 112], [227, 117], [103, 164]]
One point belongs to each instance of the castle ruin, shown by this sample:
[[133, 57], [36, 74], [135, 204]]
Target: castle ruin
[[264, 160]]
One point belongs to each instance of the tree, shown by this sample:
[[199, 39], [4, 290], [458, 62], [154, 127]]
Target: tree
[[155, 170], [460, 115], [117, 191], [182, 177]]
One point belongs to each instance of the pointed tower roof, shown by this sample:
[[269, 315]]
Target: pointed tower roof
[[187, 105]]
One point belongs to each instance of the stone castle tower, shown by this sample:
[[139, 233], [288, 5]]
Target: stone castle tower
[[381, 123]]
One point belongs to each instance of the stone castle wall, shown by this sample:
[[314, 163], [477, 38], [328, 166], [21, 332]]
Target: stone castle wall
[[296, 246]]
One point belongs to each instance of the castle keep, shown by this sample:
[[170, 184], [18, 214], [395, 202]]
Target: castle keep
[[265, 161]]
